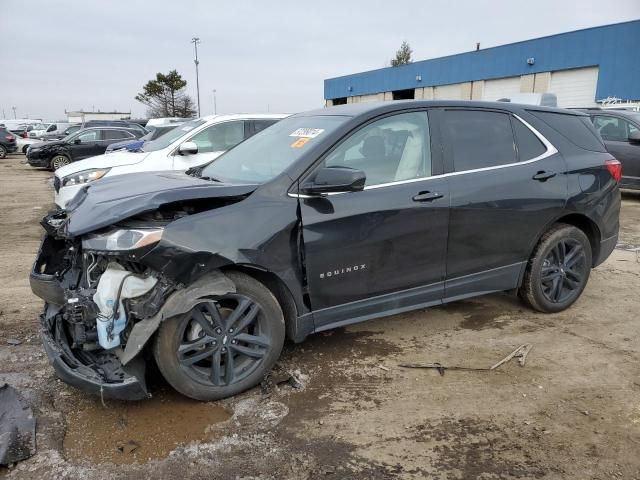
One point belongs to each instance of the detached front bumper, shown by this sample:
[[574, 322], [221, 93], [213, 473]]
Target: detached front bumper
[[87, 378], [95, 371]]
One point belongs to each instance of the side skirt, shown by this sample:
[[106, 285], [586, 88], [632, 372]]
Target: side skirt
[[474, 285]]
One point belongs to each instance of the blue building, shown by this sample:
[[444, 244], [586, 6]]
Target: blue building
[[582, 68]]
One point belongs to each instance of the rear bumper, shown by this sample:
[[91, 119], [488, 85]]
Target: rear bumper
[[10, 147], [606, 247]]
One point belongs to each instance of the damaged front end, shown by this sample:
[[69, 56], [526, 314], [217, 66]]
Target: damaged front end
[[95, 292]]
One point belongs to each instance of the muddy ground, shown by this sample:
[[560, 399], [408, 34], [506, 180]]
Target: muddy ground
[[573, 411]]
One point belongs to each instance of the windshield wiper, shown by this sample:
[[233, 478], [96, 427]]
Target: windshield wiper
[[212, 179], [194, 172]]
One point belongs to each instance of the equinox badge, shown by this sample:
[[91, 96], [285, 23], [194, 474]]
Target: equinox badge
[[341, 271]]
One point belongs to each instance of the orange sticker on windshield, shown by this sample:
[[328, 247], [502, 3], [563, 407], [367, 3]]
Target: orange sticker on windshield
[[300, 142]]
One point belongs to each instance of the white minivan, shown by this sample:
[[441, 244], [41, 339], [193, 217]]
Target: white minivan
[[192, 144]]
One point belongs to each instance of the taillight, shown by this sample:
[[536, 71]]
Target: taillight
[[615, 169], [9, 137]]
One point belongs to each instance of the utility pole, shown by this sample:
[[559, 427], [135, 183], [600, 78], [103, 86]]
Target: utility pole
[[14, 112], [215, 110], [196, 41]]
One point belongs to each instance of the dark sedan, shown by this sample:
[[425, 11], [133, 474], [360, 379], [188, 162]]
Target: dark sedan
[[7, 142], [85, 143]]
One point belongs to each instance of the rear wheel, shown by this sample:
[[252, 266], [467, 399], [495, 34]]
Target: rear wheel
[[25, 148], [224, 345], [3, 152], [558, 270], [59, 161]]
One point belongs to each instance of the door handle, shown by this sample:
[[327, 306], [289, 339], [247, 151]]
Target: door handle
[[543, 176], [427, 196]]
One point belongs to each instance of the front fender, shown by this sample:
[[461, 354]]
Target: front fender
[[179, 302]]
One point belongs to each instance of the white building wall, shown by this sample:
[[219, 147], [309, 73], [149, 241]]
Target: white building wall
[[575, 88]]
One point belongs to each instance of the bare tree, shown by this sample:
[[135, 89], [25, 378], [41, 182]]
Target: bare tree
[[165, 96], [403, 55]]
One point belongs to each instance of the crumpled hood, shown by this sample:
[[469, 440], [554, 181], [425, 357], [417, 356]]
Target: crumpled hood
[[115, 159], [114, 199]]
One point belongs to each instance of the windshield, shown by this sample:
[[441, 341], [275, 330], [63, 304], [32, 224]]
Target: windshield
[[268, 153], [635, 117], [165, 140]]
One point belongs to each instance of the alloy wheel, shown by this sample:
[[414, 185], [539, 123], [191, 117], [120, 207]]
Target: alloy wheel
[[59, 161], [564, 271], [223, 341]]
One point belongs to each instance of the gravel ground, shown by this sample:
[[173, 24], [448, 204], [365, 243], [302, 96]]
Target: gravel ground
[[573, 411]]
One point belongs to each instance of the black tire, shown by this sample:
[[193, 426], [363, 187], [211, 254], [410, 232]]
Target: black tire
[[3, 152], [59, 160], [216, 342], [25, 148], [558, 269]]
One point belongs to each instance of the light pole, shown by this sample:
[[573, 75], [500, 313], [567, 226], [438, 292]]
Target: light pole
[[14, 112], [215, 110], [196, 41]]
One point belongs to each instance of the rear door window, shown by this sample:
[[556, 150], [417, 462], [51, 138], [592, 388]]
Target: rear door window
[[258, 126], [479, 139], [528, 144], [115, 135]]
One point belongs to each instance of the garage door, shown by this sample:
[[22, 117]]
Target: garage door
[[448, 92], [500, 88], [575, 88]]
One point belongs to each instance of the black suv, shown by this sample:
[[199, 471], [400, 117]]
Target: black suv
[[620, 130], [327, 218], [7, 142], [85, 143]]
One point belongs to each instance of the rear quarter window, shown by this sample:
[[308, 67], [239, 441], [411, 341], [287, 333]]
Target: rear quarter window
[[577, 129], [529, 146]]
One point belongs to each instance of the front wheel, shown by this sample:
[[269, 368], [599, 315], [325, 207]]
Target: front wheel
[[558, 270], [59, 161], [224, 345]]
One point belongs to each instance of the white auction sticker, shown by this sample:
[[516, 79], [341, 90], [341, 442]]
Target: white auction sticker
[[307, 132]]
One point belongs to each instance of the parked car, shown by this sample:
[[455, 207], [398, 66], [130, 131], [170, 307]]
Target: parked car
[[59, 135], [134, 145], [117, 123], [327, 218], [23, 144], [85, 143], [48, 128], [192, 144], [620, 130], [7, 142]]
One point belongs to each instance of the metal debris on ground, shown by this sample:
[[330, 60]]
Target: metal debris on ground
[[17, 427], [13, 341], [272, 379], [520, 353]]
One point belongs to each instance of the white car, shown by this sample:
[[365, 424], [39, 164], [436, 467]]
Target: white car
[[192, 144], [23, 143]]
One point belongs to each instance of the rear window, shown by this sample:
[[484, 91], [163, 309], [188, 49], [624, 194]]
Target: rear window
[[577, 129], [529, 146], [479, 139]]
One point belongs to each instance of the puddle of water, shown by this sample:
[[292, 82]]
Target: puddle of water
[[136, 432]]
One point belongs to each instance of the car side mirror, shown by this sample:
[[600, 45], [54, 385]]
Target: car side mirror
[[77, 141], [335, 179], [634, 137], [188, 148]]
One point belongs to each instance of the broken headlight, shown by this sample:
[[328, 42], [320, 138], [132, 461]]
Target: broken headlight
[[84, 176], [122, 239]]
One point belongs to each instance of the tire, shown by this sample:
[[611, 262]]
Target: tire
[[558, 269], [58, 161], [3, 152], [188, 347], [25, 148]]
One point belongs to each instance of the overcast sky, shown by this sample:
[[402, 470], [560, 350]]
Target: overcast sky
[[258, 55]]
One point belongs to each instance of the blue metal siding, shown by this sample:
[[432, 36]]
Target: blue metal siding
[[615, 49]]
